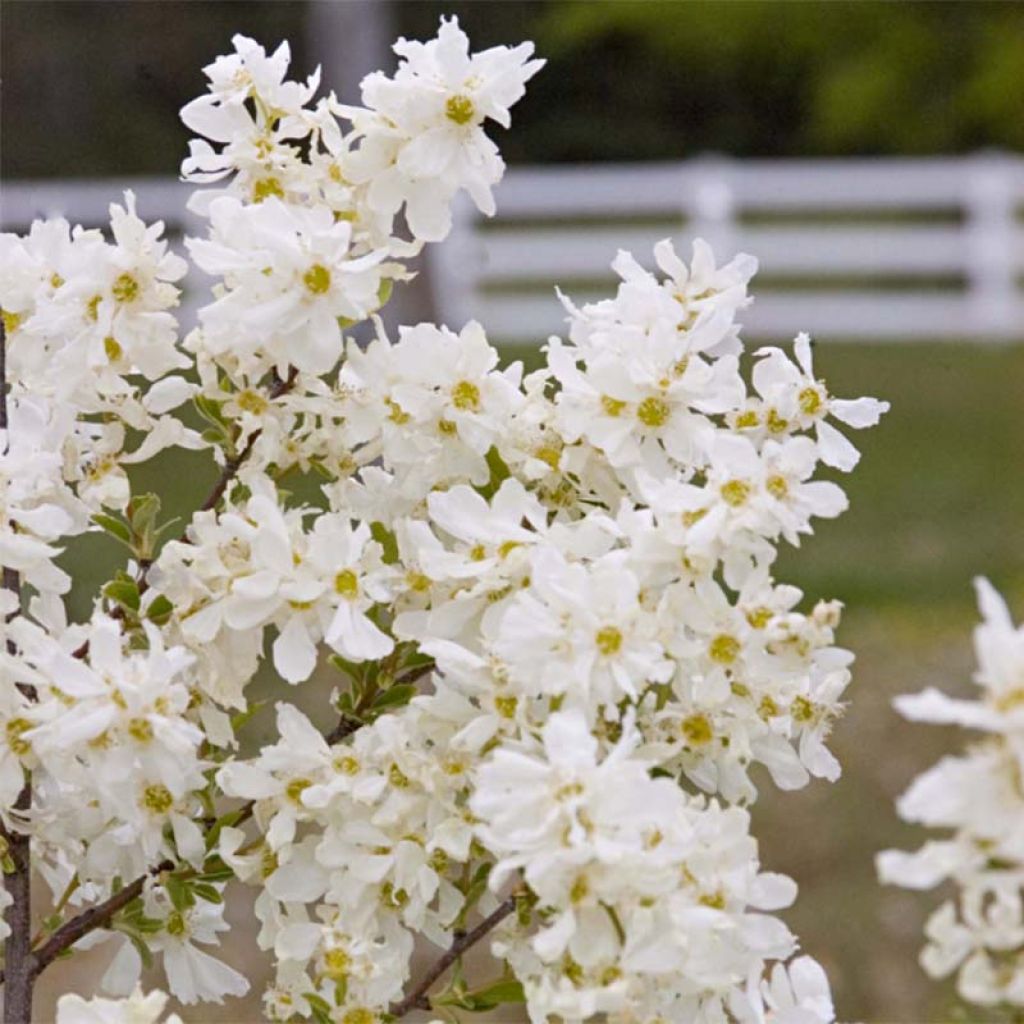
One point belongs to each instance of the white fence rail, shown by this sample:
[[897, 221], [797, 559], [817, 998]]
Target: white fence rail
[[852, 249]]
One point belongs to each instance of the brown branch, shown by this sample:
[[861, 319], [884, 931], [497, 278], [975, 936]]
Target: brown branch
[[417, 998], [89, 920], [100, 915], [232, 465], [228, 473]]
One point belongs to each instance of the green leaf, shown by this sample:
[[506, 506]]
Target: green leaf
[[387, 286], [160, 610], [505, 990], [320, 1008], [476, 888], [117, 528], [142, 949], [211, 411], [240, 493], [395, 696], [180, 893], [207, 892], [124, 593], [341, 992], [413, 657], [214, 868], [142, 514], [353, 669]]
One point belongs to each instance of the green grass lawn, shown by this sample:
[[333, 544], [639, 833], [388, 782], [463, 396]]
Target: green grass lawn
[[938, 498]]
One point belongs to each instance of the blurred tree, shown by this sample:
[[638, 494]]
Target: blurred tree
[[628, 80], [643, 80], [94, 88]]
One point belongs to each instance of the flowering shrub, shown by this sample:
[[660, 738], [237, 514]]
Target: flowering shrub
[[977, 796], [558, 654]]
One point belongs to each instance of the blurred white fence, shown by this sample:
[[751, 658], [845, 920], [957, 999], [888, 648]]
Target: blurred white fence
[[887, 249]]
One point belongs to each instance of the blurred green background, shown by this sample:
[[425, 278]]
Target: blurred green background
[[93, 89]]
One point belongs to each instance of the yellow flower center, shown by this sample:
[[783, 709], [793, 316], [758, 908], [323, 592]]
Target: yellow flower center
[[125, 288], [176, 924], [724, 649], [11, 320], [266, 187], [609, 640], [697, 729], [140, 729], [459, 109], [336, 964], [466, 396], [15, 727], [653, 412], [296, 788], [777, 486], [396, 413], [810, 401], [346, 583], [317, 279], [759, 617], [250, 401], [801, 709], [506, 706], [735, 492], [157, 798], [612, 406]]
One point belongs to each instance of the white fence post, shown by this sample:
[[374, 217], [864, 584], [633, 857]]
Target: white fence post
[[989, 205], [454, 266], [710, 204]]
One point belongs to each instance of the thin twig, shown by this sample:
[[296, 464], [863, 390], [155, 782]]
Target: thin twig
[[89, 920], [228, 473], [417, 998]]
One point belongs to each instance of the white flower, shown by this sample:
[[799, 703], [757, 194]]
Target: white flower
[[422, 132], [138, 1008], [289, 277], [791, 395]]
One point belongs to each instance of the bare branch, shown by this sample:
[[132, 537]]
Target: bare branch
[[417, 998]]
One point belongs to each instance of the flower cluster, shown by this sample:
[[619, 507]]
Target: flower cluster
[[545, 602], [976, 796]]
